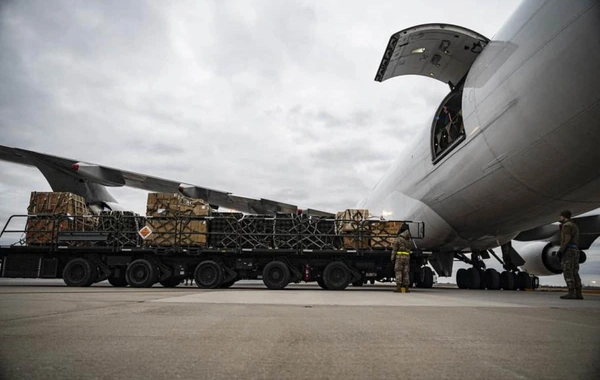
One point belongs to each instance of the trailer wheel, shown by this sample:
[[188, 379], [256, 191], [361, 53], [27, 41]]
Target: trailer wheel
[[336, 276], [426, 278], [118, 282], [141, 274], [208, 275], [276, 275], [170, 282], [322, 283], [80, 272]]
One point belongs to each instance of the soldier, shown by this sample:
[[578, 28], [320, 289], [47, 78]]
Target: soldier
[[569, 255], [401, 259]]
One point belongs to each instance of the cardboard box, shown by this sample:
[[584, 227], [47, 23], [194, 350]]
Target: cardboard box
[[53, 212], [350, 220], [355, 242], [383, 233]]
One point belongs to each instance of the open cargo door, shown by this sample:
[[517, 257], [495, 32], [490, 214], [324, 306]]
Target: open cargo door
[[440, 51]]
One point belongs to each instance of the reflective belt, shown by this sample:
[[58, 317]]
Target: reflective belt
[[402, 253]]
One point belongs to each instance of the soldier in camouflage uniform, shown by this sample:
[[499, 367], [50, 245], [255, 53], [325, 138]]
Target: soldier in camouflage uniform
[[569, 255], [401, 259]]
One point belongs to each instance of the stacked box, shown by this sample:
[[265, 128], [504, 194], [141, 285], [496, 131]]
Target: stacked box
[[383, 233], [351, 226], [176, 220], [122, 226], [256, 231], [288, 230], [53, 212]]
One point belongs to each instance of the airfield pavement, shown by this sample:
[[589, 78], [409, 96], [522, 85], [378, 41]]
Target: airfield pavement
[[50, 331]]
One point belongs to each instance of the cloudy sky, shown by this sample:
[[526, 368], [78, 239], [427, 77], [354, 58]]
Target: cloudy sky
[[272, 99]]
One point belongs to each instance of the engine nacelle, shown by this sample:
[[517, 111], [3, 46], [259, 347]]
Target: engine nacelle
[[541, 259]]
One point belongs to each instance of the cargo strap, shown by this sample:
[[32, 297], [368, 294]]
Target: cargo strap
[[402, 253]]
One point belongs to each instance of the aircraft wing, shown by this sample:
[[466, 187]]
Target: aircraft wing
[[589, 230], [89, 180]]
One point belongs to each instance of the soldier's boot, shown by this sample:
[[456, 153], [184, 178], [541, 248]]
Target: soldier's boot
[[398, 289], [570, 295], [407, 289], [578, 294]]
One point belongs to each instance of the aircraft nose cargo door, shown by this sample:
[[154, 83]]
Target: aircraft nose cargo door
[[439, 51]]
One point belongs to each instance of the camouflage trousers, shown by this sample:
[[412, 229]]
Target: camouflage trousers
[[570, 266], [402, 268]]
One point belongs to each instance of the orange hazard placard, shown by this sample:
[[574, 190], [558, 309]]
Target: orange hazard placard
[[145, 232]]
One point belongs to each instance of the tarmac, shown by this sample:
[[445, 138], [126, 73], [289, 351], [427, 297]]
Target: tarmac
[[50, 331]]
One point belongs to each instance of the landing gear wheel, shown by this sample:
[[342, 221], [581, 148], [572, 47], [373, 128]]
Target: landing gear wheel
[[482, 279], [535, 282], [474, 280], [336, 276], [322, 283], [426, 278], [492, 279], [208, 275], [141, 273], [523, 281], [118, 282], [170, 282], [462, 280], [507, 281], [80, 272], [276, 275]]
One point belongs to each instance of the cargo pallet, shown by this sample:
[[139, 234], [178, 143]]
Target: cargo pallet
[[216, 250]]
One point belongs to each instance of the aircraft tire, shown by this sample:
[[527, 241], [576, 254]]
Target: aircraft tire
[[336, 276], [474, 278], [492, 279], [276, 275], [482, 279], [427, 278], [507, 281], [523, 281], [208, 275], [79, 272], [141, 273], [462, 280]]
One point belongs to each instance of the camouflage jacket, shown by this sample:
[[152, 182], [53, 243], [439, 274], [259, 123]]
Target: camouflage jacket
[[402, 244], [569, 234]]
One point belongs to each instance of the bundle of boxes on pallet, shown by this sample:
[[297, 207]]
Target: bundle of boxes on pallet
[[122, 227], [175, 220], [50, 213], [360, 232]]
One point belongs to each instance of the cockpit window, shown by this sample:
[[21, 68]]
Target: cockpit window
[[448, 130]]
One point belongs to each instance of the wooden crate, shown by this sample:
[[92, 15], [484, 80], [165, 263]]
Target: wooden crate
[[383, 233]]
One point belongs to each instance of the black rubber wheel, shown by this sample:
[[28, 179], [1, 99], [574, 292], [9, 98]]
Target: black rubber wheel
[[358, 283], [336, 276], [474, 279], [208, 275], [462, 279], [322, 283], [276, 275], [80, 272], [118, 282], [482, 279], [170, 282], [227, 284], [426, 280], [507, 281], [141, 273], [523, 281], [492, 279]]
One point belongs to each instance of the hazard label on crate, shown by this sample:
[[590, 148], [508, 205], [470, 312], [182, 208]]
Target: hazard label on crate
[[145, 232]]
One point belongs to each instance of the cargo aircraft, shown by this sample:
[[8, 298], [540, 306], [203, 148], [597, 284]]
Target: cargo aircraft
[[515, 141]]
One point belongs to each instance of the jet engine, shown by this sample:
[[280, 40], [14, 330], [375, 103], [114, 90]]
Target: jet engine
[[540, 258]]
